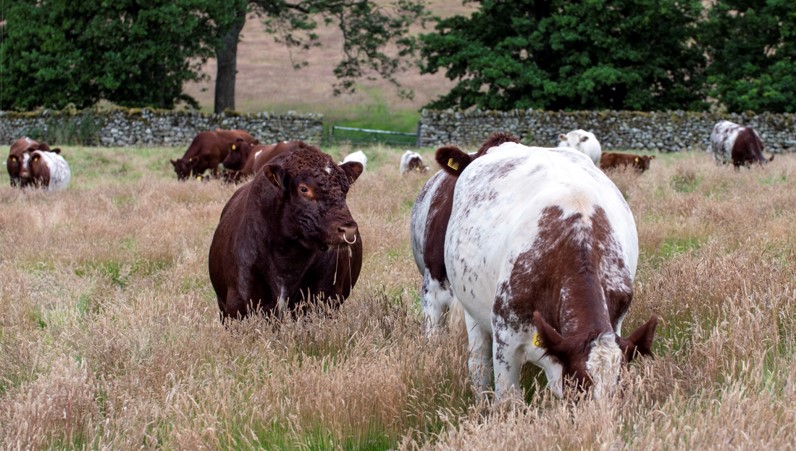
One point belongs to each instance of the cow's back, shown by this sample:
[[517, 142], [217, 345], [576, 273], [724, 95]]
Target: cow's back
[[499, 202]]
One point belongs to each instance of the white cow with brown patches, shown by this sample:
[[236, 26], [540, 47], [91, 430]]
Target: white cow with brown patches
[[541, 250]]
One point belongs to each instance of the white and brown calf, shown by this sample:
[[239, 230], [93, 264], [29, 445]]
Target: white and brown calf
[[541, 250]]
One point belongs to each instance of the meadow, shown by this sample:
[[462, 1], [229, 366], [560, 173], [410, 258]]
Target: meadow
[[110, 336]]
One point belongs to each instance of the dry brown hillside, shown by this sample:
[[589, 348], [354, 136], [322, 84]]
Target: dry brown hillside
[[267, 82]]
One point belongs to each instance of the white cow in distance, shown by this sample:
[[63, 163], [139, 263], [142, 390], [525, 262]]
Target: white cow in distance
[[583, 141], [412, 161], [358, 156]]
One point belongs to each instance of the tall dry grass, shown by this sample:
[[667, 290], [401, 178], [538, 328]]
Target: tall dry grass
[[110, 336]]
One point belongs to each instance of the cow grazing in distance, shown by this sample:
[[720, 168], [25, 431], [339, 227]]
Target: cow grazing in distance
[[207, 150], [18, 161], [541, 250], [615, 160], [735, 143], [428, 224], [412, 161], [358, 156], [287, 236], [49, 170], [583, 141]]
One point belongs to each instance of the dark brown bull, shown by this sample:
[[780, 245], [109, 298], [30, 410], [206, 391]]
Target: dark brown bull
[[18, 162], [287, 236], [615, 160], [207, 150]]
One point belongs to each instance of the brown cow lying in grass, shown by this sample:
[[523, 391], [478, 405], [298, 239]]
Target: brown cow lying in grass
[[614, 160], [287, 236], [207, 150]]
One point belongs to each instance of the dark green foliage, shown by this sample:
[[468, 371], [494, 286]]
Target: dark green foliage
[[752, 44], [60, 52], [570, 55]]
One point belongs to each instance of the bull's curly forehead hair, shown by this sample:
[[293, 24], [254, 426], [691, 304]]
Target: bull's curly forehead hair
[[310, 161]]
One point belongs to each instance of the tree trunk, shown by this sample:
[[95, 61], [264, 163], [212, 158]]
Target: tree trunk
[[227, 59]]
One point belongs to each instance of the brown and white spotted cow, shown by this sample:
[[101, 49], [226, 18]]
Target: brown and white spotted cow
[[735, 143], [287, 236], [19, 157], [429, 222], [206, 151], [541, 250]]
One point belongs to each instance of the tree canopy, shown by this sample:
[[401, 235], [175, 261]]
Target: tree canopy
[[570, 55], [752, 47], [137, 53], [57, 52]]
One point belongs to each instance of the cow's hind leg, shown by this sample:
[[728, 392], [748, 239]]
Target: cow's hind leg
[[480, 355], [508, 348], [436, 300]]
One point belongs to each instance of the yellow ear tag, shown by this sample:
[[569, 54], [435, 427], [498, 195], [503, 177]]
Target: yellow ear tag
[[453, 164], [198, 177], [233, 147], [636, 159], [536, 340]]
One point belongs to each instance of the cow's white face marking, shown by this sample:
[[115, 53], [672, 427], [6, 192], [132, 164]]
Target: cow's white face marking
[[328, 169], [604, 365]]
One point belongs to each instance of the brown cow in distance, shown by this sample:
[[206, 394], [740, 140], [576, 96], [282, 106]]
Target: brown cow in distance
[[245, 159], [615, 160], [287, 236], [19, 157], [207, 150]]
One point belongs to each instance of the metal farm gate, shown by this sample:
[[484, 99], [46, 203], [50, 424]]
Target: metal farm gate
[[365, 136]]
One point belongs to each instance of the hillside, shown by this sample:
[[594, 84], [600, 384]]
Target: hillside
[[267, 82]]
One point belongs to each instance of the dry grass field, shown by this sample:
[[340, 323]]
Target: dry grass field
[[110, 338]]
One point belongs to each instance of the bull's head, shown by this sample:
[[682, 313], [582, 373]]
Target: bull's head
[[592, 361], [311, 196], [183, 167], [238, 153]]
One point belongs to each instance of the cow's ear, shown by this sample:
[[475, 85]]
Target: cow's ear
[[173, 163], [275, 174], [452, 159], [584, 138], [255, 142], [640, 340], [562, 137], [547, 337], [56, 150], [353, 170]]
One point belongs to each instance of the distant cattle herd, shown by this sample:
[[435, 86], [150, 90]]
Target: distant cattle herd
[[536, 246]]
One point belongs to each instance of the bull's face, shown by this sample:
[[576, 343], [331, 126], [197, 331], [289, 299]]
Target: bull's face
[[236, 157], [18, 165], [313, 189], [183, 168]]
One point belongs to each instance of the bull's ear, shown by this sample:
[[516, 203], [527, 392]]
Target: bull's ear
[[640, 340], [548, 338], [452, 159], [352, 170], [56, 150], [275, 174]]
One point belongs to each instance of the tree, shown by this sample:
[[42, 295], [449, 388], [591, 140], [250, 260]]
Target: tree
[[80, 52], [569, 55], [752, 48], [137, 54], [367, 26]]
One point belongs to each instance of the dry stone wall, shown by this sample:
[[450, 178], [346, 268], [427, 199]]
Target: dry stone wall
[[144, 127], [616, 130]]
